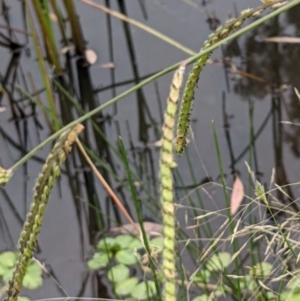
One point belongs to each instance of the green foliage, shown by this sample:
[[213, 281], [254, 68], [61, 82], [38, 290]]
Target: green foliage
[[144, 290], [33, 277], [157, 243], [118, 273], [98, 261], [202, 298], [127, 257], [219, 262], [126, 287], [118, 256]]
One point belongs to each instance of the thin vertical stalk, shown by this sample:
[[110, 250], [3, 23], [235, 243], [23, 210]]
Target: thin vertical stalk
[[48, 36], [43, 71], [77, 36], [166, 189]]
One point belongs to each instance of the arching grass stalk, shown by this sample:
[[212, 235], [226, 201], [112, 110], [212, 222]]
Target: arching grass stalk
[[166, 188], [44, 184], [188, 95], [151, 79]]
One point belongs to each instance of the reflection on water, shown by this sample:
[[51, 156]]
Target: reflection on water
[[247, 104]]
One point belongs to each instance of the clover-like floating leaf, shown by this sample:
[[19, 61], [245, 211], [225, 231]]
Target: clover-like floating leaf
[[34, 269], [135, 244], [289, 296], [32, 281], [118, 273], [33, 277], [157, 243], [220, 290], [127, 257], [99, 260], [245, 281], [203, 298], [123, 240], [294, 284], [8, 274], [107, 243], [3, 270], [262, 269], [8, 259], [144, 290], [202, 276], [219, 261], [125, 287]]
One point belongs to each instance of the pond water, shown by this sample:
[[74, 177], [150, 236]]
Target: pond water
[[270, 71]]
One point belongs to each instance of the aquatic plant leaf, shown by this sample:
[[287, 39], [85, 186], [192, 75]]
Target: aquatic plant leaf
[[106, 243], [202, 276], [34, 269], [125, 287], [33, 277], [294, 283], [118, 273], [289, 296], [157, 243], [8, 274], [237, 195], [99, 260], [220, 290], [8, 259], [136, 244], [203, 298], [127, 257], [245, 281], [32, 282], [262, 269], [144, 290], [123, 240], [2, 270], [219, 261]]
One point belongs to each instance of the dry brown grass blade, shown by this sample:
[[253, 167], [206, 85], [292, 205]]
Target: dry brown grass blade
[[107, 187], [293, 40]]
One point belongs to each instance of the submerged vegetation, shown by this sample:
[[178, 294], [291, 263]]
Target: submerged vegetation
[[252, 253]]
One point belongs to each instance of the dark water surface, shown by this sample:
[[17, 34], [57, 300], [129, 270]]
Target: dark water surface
[[66, 238]]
